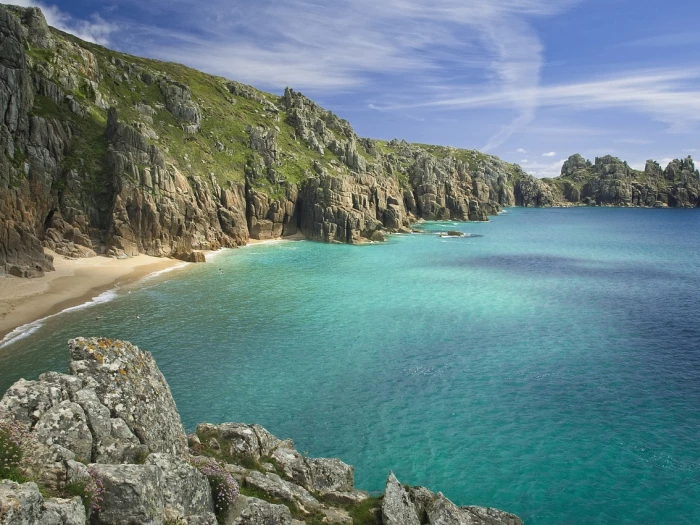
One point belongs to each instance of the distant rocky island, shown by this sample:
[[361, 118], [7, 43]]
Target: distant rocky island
[[106, 153], [105, 445]]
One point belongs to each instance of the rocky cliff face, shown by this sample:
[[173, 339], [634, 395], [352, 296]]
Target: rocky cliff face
[[610, 181], [105, 153], [106, 446]]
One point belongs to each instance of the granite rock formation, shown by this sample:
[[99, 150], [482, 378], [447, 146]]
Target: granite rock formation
[[113, 419], [610, 181], [108, 154]]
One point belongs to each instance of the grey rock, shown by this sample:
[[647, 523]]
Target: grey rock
[[444, 512], [65, 425], [130, 385], [132, 494], [63, 512], [353, 497], [240, 440], [397, 507], [276, 487], [253, 511], [336, 516], [487, 516], [23, 504], [178, 99], [185, 489], [20, 504]]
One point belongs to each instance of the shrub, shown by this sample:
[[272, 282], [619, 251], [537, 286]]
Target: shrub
[[224, 488], [13, 440]]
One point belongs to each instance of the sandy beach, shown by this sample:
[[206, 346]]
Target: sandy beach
[[73, 283]]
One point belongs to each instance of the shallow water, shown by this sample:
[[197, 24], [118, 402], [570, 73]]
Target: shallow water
[[550, 367]]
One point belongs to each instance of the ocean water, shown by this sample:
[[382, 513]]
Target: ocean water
[[548, 365]]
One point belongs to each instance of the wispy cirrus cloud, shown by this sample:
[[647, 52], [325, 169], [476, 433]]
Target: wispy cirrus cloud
[[669, 40], [668, 95], [420, 51]]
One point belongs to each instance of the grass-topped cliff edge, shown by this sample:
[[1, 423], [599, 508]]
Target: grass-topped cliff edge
[[108, 153]]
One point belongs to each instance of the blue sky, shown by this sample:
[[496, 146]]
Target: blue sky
[[532, 81]]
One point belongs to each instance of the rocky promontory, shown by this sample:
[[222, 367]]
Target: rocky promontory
[[105, 445]]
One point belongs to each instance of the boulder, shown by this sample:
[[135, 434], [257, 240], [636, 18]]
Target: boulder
[[132, 494], [274, 486], [128, 382], [185, 489], [336, 516], [23, 504], [65, 424], [315, 474], [20, 504], [487, 516], [63, 512], [240, 440], [397, 507], [253, 511]]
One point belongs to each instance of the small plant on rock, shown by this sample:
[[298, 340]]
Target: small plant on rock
[[90, 491], [224, 488], [13, 440]]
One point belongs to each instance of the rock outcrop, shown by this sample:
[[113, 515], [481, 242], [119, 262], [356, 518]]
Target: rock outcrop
[[107, 154], [111, 434], [610, 181], [417, 505]]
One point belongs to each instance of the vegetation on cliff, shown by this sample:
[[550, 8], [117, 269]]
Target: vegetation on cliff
[[107, 153]]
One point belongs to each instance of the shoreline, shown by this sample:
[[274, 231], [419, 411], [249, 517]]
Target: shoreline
[[74, 282], [77, 282]]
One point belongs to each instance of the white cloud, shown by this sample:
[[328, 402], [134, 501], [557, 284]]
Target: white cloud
[[668, 95], [542, 170], [521, 150], [425, 50], [550, 154], [524, 161], [95, 29]]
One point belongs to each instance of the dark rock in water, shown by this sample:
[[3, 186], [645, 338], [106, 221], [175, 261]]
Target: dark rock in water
[[454, 233]]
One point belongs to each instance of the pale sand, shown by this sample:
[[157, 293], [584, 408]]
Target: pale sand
[[296, 237], [77, 281], [73, 283]]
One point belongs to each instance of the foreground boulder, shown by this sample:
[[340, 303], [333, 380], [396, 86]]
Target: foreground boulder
[[109, 439]]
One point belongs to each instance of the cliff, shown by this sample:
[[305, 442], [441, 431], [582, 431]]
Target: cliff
[[610, 181], [109, 154], [105, 445], [105, 153]]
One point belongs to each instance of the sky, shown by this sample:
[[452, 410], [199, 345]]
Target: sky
[[531, 81]]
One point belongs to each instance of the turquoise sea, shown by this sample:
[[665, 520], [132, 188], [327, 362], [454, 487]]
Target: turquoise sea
[[549, 365]]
